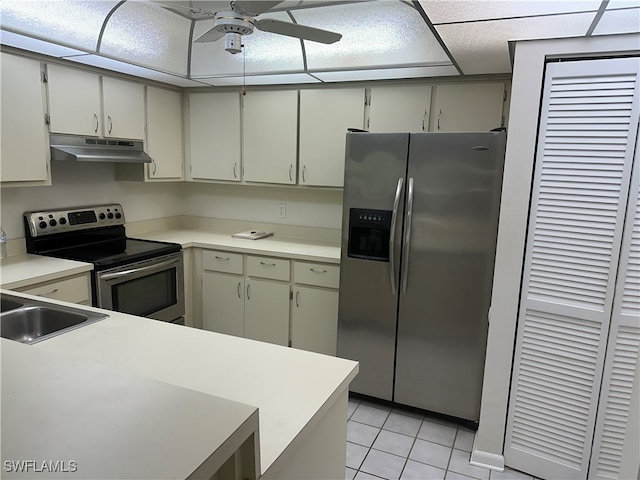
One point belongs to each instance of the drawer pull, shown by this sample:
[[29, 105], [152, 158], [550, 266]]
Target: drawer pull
[[267, 264], [317, 271], [222, 258], [55, 290]]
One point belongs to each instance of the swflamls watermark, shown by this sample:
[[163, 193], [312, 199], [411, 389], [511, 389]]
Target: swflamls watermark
[[40, 466]]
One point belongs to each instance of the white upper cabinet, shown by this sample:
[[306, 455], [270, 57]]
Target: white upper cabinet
[[164, 134], [25, 144], [214, 136], [397, 109], [74, 101], [270, 131], [325, 116], [123, 108], [472, 107]]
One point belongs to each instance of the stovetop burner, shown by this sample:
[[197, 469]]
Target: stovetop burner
[[94, 234]]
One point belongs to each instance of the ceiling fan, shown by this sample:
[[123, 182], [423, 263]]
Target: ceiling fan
[[240, 20]]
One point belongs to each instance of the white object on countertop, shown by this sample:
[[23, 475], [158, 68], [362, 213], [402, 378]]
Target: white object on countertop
[[252, 234], [3, 244]]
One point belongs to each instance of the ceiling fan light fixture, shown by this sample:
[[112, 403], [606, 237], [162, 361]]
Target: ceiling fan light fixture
[[233, 42]]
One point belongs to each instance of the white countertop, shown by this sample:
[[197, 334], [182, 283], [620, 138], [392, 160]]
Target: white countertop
[[277, 246], [102, 423], [23, 270], [292, 388]]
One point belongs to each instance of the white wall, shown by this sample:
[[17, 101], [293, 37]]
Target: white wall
[[76, 184], [304, 206], [521, 144]]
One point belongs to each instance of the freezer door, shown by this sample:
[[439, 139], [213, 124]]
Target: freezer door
[[375, 166], [447, 270]]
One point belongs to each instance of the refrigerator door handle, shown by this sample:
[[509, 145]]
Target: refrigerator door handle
[[392, 236], [407, 236]]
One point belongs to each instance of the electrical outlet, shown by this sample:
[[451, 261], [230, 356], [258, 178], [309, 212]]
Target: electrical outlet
[[282, 210]]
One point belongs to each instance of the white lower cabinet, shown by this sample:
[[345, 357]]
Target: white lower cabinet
[[314, 322], [74, 289], [246, 296]]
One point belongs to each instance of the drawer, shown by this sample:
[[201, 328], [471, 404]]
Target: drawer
[[226, 262], [74, 290], [265, 267], [319, 274]]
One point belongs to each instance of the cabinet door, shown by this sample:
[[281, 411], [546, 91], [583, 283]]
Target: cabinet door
[[267, 311], [467, 107], [325, 116], [314, 324], [123, 108], [270, 131], [164, 133], [74, 101], [223, 303], [214, 136], [399, 109], [24, 150]]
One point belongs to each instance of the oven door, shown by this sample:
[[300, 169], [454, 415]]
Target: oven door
[[151, 288]]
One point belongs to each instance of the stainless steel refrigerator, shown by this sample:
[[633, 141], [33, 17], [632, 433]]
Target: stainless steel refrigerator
[[419, 231]]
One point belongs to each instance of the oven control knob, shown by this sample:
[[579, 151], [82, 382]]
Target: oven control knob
[[110, 215], [62, 220], [53, 223], [102, 216], [118, 215], [42, 224]]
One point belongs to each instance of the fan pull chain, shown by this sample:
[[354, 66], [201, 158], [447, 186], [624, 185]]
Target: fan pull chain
[[244, 74]]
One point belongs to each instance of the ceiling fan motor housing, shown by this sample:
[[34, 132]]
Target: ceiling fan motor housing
[[232, 22]]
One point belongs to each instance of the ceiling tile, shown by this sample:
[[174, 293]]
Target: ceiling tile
[[482, 47], [619, 21], [265, 52], [146, 34], [122, 67], [35, 45], [386, 73], [284, 79], [448, 11], [378, 33]]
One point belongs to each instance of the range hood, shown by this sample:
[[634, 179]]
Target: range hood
[[82, 149]]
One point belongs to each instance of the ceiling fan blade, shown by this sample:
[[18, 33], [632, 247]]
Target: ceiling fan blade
[[209, 36], [253, 8], [297, 31]]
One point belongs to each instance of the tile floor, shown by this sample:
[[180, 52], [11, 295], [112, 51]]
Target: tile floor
[[390, 443]]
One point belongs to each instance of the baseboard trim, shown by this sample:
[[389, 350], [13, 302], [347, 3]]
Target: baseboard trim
[[488, 460]]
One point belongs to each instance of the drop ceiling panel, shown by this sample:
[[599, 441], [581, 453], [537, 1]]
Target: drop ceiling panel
[[35, 45], [380, 33], [618, 21], [123, 67], [482, 47], [73, 23], [447, 11], [147, 34], [386, 74], [265, 52]]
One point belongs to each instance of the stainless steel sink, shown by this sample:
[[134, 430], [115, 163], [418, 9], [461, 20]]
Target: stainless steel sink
[[30, 321]]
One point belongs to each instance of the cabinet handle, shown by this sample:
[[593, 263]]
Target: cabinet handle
[[248, 292], [239, 294], [317, 271], [291, 173], [95, 116], [222, 258], [268, 264], [235, 170], [298, 298], [155, 167], [439, 114], [304, 169], [55, 290], [424, 115], [110, 123]]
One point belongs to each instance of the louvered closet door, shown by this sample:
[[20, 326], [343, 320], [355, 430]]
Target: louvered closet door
[[586, 140], [622, 348]]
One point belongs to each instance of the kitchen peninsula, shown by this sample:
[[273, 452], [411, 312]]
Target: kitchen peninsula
[[301, 396]]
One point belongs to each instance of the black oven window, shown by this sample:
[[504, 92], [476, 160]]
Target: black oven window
[[146, 295]]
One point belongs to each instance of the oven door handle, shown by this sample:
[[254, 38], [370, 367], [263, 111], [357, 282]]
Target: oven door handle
[[155, 266]]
